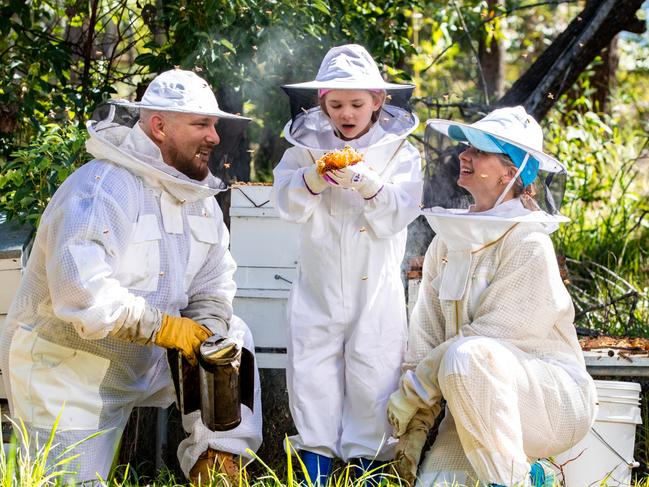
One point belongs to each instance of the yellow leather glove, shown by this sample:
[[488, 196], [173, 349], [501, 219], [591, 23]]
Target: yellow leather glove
[[182, 334], [411, 443]]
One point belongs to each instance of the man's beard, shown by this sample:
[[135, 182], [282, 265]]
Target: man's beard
[[188, 165]]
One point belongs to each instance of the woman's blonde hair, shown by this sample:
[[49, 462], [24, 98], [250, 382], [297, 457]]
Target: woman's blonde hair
[[525, 193]]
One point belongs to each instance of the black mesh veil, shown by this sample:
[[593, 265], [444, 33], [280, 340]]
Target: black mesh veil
[[121, 115], [230, 130], [443, 170], [302, 100], [308, 120]]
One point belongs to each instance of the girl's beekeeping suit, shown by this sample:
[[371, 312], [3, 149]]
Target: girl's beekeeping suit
[[125, 239], [492, 331], [347, 313]]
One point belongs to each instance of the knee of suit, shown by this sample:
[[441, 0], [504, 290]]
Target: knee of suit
[[473, 356]]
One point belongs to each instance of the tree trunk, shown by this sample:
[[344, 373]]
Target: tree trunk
[[491, 53], [558, 67], [604, 79]]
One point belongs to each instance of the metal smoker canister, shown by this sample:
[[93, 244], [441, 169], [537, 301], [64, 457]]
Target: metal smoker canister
[[219, 364]]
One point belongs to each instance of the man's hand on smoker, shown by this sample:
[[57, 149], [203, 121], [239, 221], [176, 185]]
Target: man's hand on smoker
[[182, 334]]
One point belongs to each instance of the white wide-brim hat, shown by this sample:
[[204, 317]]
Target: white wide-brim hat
[[180, 91], [503, 126], [348, 67]]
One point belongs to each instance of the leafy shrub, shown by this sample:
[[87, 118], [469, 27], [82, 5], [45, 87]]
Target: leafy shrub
[[608, 204], [32, 173]]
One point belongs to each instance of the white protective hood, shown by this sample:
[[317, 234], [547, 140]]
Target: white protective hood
[[132, 149], [180, 91], [315, 131], [466, 233], [348, 67]]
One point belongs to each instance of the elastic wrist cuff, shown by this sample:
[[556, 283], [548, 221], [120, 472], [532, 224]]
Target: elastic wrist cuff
[[309, 188], [371, 197]]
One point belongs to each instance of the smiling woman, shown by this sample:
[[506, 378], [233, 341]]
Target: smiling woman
[[492, 332], [485, 174]]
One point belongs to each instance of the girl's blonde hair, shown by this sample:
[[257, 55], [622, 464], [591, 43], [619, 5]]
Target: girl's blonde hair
[[377, 95]]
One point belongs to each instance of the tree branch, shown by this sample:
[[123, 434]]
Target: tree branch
[[561, 64], [475, 53]]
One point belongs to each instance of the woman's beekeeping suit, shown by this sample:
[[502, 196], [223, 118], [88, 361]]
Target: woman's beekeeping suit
[[492, 331]]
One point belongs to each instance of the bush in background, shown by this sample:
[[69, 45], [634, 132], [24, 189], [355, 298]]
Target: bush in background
[[607, 200], [31, 175]]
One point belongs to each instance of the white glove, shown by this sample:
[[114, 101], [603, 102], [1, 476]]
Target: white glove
[[314, 182], [359, 177]]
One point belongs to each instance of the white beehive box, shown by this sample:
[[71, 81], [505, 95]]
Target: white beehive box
[[14, 248], [265, 249]]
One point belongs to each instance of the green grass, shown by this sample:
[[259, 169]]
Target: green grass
[[38, 469], [27, 464]]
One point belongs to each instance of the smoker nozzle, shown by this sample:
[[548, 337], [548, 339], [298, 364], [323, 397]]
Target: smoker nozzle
[[217, 349]]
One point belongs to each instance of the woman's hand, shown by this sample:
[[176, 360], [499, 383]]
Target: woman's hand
[[400, 412], [410, 446]]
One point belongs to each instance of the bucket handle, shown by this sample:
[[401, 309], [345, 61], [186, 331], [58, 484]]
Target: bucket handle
[[633, 464]]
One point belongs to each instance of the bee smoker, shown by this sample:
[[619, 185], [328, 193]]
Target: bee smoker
[[222, 381]]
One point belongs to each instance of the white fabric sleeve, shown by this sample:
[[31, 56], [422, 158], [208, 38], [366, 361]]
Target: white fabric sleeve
[[85, 237], [526, 297], [213, 288], [211, 311], [397, 203], [427, 323], [418, 386], [292, 197]]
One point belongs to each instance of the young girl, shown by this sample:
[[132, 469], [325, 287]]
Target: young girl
[[347, 313]]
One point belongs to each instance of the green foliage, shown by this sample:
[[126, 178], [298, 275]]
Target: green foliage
[[248, 49], [607, 200], [25, 462], [34, 172], [58, 59], [449, 32]]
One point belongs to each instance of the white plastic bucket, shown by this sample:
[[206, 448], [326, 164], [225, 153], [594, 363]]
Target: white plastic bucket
[[607, 450]]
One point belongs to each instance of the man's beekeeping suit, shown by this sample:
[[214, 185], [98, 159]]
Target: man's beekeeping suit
[[131, 256]]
